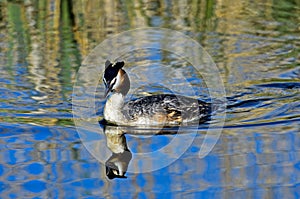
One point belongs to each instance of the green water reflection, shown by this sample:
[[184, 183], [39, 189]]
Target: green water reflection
[[43, 43], [256, 46]]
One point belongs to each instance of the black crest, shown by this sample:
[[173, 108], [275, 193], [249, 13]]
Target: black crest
[[112, 69]]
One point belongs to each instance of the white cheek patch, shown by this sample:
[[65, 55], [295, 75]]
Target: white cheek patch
[[113, 82], [117, 81]]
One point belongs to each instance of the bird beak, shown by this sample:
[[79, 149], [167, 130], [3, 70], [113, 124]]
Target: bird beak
[[107, 90]]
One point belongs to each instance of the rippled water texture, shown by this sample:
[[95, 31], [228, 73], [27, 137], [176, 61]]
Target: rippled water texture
[[255, 46]]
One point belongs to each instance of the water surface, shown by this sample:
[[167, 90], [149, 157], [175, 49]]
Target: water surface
[[255, 46]]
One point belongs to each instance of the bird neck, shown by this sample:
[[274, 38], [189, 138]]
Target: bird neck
[[116, 100], [113, 108]]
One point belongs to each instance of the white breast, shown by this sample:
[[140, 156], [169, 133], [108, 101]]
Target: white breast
[[113, 107]]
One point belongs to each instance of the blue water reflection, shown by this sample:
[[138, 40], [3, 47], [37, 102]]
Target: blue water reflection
[[246, 161], [255, 46]]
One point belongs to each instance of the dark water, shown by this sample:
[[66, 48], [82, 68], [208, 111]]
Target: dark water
[[255, 46]]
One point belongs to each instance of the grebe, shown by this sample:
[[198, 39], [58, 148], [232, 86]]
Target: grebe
[[155, 110], [116, 166]]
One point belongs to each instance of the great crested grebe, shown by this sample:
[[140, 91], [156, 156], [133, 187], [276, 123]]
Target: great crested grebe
[[117, 164], [155, 110]]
